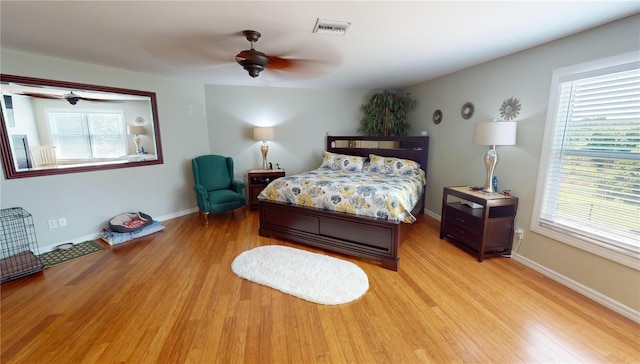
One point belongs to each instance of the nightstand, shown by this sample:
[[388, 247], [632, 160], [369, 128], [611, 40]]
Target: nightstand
[[482, 223], [257, 180]]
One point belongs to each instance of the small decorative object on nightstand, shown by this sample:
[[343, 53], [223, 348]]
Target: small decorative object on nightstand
[[483, 223], [258, 179]]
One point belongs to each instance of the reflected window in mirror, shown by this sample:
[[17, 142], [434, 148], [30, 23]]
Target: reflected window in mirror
[[75, 127]]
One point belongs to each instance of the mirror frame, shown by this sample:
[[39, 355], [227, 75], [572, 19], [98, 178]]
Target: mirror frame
[[7, 154]]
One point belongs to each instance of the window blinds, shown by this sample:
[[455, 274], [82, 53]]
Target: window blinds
[[593, 182]]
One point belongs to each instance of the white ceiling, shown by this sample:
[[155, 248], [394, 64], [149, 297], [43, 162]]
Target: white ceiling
[[390, 44]]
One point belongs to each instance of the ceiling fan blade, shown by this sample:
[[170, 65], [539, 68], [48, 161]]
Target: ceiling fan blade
[[194, 50], [72, 96], [98, 100], [41, 96], [278, 63], [311, 67]]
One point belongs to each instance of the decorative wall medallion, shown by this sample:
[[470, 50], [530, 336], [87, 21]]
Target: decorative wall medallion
[[510, 109], [467, 110], [437, 117]]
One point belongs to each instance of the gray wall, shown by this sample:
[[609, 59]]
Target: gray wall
[[454, 160]]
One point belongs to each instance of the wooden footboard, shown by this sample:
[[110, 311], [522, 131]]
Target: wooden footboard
[[366, 237]]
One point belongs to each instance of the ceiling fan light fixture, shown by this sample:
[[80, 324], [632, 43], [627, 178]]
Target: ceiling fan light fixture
[[331, 27], [252, 61], [72, 98], [253, 69]]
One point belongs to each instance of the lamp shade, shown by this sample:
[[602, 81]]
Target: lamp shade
[[262, 133], [495, 133], [135, 129]]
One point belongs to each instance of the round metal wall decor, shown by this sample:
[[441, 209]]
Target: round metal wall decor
[[437, 117], [510, 109], [467, 110]]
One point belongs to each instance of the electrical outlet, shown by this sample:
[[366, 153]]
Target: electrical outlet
[[519, 231], [53, 224], [62, 222]]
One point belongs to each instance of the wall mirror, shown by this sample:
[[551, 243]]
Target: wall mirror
[[53, 127]]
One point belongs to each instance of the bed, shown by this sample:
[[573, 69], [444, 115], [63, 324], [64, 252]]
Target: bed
[[373, 238]]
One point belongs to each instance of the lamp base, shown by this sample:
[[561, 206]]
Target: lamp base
[[264, 148], [490, 161], [136, 140]]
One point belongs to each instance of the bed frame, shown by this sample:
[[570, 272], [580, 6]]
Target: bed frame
[[366, 237]]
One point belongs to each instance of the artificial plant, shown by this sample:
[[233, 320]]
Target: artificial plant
[[386, 114]]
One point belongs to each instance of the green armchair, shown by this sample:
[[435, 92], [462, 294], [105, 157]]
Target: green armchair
[[215, 188]]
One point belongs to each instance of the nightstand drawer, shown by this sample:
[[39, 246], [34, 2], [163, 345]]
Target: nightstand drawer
[[463, 234], [464, 220], [258, 179], [264, 180]]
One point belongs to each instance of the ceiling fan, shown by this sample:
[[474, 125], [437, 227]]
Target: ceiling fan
[[254, 61], [70, 97]]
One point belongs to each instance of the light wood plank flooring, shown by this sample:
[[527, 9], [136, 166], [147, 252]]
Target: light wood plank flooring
[[171, 298]]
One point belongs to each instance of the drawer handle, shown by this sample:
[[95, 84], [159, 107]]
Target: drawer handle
[[459, 219], [461, 232]]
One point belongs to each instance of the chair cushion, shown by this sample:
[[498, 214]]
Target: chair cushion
[[224, 196], [225, 200]]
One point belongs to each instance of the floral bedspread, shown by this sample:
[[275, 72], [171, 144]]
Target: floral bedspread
[[389, 197]]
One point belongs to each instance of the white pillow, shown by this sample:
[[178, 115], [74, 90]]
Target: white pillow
[[391, 165], [341, 162]]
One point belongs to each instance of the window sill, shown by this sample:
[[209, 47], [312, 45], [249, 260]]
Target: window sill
[[629, 258]]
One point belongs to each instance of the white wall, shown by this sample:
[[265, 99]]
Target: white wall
[[526, 76], [88, 200]]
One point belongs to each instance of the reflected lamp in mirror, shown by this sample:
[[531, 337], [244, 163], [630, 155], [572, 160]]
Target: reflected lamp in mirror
[[264, 134], [493, 133], [136, 130]]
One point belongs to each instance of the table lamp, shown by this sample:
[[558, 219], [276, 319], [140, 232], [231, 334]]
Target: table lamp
[[493, 133], [136, 130], [264, 134]]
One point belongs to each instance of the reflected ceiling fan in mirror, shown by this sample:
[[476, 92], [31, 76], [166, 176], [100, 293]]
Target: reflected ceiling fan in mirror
[[70, 97]]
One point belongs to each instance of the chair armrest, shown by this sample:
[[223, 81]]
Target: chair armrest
[[203, 197], [237, 186]]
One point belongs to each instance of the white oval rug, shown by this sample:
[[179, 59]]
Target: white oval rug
[[314, 277]]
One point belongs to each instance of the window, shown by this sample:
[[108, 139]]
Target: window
[[589, 182], [88, 135]]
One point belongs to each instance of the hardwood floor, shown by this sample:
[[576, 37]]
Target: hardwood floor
[[171, 297]]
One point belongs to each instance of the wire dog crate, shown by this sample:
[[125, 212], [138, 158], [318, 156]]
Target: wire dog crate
[[18, 245]]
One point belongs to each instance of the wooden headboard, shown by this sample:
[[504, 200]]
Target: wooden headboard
[[415, 148]]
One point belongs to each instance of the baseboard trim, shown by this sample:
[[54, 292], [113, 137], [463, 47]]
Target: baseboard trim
[[177, 214], [596, 296], [48, 248], [432, 214]]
